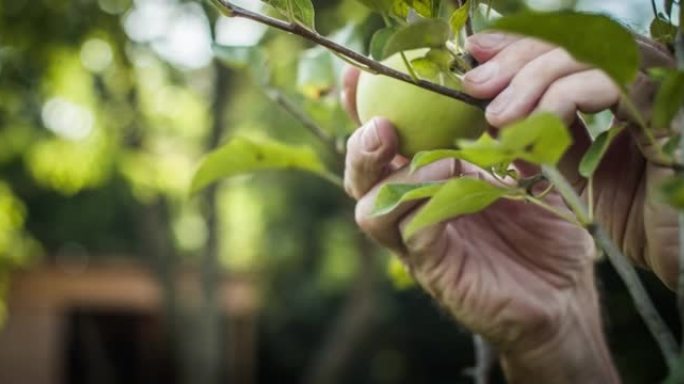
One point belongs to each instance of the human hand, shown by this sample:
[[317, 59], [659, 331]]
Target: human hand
[[523, 75], [515, 273]]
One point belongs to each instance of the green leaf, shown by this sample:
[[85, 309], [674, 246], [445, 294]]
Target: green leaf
[[673, 192], [402, 8], [663, 31], [429, 33], [458, 18], [426, 69], [391, 196], [315, 73], [670, 96], [456, 198], [424, 158], [300, 11], [485, 152], [593, 39], [592, 158], [541, 138], [379, 41], [243, 155]]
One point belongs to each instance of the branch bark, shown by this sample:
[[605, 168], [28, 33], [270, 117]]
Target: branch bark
[[365, 62]]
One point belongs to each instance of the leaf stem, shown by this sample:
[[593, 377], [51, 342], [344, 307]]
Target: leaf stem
[[354, 56], [540, 203], [409, 68]]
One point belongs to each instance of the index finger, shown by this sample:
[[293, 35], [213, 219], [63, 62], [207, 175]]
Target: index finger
[[485, 45]]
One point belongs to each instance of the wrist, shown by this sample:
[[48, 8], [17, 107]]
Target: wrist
[[572, 351]]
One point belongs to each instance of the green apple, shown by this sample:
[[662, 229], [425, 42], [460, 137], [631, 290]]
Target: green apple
[[424, 120]]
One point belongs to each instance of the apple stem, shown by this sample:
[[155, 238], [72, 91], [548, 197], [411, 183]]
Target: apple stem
[[368, 64]]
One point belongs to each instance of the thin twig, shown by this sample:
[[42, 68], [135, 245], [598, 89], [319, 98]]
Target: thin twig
[[645, 307], [374, 66], [293, 109], [661, 333]]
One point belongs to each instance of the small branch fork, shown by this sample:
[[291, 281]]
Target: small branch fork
[[363, 62]]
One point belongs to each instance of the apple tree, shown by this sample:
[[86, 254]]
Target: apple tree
[[424, 39]]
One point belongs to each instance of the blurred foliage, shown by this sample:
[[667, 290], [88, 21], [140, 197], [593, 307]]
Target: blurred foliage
[[105, 110]]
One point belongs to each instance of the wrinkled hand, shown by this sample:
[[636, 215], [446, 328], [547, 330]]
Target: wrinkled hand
[[523, 75], [515, 273]]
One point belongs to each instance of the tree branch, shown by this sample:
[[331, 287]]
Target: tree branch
[[293, 109], [356, 57], [654, 322]]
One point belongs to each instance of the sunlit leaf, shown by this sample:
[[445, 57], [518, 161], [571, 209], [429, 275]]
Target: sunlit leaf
[[391, 196], [484, 152], [456, 198], [459, 17], [401, 8], [593, 39], [422, 7], [300, 11], [540, 139], [592, 158], [670, 97], [425, 68], [429, 33], [424, 158], [244, 155]]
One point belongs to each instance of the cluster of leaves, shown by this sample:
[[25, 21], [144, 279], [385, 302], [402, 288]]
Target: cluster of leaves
[[539, 140], [435, 26]]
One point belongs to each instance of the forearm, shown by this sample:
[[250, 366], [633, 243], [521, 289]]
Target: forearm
[[576, 353]]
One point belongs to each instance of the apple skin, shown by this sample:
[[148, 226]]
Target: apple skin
[[424, 120]]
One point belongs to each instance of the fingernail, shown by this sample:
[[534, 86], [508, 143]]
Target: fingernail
[[370, 138], [501, 102], [488, 40], [482, 73]]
